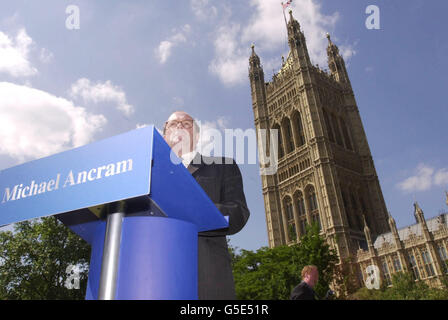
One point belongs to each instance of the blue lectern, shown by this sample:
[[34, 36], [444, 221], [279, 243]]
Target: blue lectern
[[132, 200]]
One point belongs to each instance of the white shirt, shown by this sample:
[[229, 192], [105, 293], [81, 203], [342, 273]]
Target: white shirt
[[188, 157]]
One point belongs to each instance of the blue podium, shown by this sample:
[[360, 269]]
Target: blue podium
[[132, 200]]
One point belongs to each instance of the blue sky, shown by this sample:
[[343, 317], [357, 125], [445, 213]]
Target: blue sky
[[133, 63]]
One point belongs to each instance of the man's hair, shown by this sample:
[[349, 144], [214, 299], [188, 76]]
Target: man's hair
[[307, 270]]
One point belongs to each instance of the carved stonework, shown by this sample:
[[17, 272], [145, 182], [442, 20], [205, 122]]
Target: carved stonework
[[283, 192]]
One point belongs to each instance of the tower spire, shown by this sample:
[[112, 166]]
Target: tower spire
[[418, 212], [336, 62], [258, 90], [446, 197], [420, 217], [391, 221], [297, 42], [393, 228], [254, 60], [367, 231]]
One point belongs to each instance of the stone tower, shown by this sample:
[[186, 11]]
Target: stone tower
[[325, 168]]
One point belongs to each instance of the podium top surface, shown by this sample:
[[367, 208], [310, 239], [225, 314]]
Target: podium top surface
[[130, 165], [109, 170]]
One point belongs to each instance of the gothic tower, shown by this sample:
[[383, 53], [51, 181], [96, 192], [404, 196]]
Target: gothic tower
[[325, 169]]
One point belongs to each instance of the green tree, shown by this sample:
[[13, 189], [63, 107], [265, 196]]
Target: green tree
[[273, 273], [404, 287], [314, 249], [34, 260], [345, 278]]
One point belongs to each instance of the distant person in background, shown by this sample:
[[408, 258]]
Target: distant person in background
[[304, 290], [222, 182]]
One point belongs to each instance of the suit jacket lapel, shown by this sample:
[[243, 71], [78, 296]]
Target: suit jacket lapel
[[195, 164]]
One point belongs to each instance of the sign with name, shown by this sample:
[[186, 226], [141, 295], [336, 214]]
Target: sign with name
[[110, 170]]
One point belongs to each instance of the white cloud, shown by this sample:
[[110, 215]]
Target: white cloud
[[163, 51], [421, 181], [315, 25], [230, 62], [101, 92], [14, 55], [185, 29], [266, 28], [202, 10], [425, 177], [347, 51], [46, 55], [441, 177], [35, 123]]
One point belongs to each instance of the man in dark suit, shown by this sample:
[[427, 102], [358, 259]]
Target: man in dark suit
[[304, 290], [221, 180]]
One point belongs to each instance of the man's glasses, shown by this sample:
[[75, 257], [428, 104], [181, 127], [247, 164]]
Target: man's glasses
[[186, 124]]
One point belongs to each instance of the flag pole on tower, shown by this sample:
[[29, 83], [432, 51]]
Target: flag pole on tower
[[284, 6]]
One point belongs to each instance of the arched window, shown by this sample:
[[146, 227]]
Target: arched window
[[312, 201], [328, 125], [289, 143], [302, 226], [348, 144], [396, 263], [443, 257], [312, 205], [427, 261], [300, 132], [363, 204], [337, 130], [288, 208], [414, 267], [315, 217], [356, 213], [386, 273], [301, 206], [347, 210], [292, 232], [280, 141]]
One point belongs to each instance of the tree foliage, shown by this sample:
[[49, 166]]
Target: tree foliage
[[34, 260], [345, 278], [273, 273], [404, 287]]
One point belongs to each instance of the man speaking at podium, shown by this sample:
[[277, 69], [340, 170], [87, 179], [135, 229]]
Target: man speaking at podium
[[222, 182]]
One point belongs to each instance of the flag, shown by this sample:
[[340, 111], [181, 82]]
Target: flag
[[286, 4]]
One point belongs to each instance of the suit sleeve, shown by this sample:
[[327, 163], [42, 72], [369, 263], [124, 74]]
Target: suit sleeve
[[232, 201], [299, 293]]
